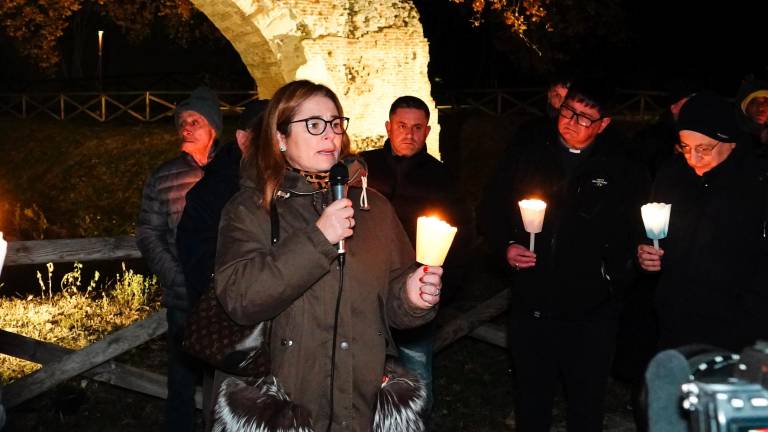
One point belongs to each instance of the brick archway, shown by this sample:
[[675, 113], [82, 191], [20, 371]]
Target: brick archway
[[367, 52]]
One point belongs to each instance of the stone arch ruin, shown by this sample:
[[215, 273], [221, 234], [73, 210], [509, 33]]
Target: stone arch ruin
[[368, 52]]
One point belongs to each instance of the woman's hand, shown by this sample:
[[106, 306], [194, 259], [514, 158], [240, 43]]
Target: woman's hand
[[423, 286], [519, 257], [337, 220], [649, 257]]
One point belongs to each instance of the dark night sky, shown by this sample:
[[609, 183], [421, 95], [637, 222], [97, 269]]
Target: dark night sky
[[666, 40]]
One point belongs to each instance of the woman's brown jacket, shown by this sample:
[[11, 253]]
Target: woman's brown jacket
[[295, 283]]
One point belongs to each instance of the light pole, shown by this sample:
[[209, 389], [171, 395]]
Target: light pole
[[98, 66]]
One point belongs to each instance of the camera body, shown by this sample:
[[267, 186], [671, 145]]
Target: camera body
[[728, 392], [726, 407]]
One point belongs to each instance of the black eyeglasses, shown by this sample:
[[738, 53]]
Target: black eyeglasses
[[701, 149], [568, 113], [317, 125]]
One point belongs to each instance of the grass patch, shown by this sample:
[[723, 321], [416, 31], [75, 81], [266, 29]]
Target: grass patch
[[67, 179], [77, 178], [75, 315]]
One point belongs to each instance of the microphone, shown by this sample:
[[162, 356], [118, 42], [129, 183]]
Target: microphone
[[339, 176], [665, 375]]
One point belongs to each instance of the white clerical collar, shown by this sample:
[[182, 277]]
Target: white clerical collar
[[565, 144]]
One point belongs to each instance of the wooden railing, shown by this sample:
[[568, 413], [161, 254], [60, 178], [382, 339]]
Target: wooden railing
[[631, 105], [69, 250], [144, 106], [96, 360], [148, 106]]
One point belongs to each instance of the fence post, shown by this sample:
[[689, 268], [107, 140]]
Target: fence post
[[146, 105], [103, 107], [642, 108], [61, 106], [24, 106]]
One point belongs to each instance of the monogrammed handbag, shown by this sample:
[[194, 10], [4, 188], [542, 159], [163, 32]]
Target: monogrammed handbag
[[212, 336]]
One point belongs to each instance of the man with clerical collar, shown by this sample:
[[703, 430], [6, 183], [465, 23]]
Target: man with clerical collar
[[566, 296]]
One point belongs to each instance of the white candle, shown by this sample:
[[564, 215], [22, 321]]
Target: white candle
[[3, 249], [656, 220], [532, 211], [433, 239]]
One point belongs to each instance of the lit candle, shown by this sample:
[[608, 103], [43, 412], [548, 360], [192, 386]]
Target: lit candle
[[433, 239], [532, 211], [3, 249], [656, 221]]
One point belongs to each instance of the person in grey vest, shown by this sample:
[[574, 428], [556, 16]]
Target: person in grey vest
[[199, 123]]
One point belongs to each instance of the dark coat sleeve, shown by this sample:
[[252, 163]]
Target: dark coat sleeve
[[152, 237], [196, 238]]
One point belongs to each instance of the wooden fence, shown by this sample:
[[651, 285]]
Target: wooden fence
[[631, 105], [105, 106], [96, 360], [148, 106]]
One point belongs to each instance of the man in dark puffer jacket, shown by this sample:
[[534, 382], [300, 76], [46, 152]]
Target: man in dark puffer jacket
[[199, 122]]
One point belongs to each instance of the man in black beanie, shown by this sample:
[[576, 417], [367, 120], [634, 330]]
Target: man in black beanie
[[198, 228], [712, 267], [199, 123]]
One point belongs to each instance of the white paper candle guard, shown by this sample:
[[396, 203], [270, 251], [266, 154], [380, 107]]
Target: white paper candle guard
[[433, 239], [532, 211], [656, 221]]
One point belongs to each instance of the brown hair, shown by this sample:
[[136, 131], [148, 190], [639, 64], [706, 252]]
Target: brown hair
[[264, 164]]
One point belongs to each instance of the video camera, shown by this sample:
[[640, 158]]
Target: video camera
[[707, 389]]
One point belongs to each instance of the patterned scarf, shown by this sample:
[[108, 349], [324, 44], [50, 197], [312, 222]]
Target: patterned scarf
[[318, 180]]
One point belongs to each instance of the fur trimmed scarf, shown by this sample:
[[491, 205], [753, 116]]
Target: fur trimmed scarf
[[263, 406]]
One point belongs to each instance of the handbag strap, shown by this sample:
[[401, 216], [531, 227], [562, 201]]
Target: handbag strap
[[274, 220]]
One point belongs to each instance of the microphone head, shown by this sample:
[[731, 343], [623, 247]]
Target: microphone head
[[665, 375], [339, 174]]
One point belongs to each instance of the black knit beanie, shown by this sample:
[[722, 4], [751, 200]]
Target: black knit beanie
[[204, 102], [710, 115]]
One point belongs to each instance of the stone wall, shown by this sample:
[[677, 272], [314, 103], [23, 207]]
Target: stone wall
[[369, 53]]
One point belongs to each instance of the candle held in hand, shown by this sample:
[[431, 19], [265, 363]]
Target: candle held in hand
[[3, 249], [656, 220], [433, 240], [532, 211]]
